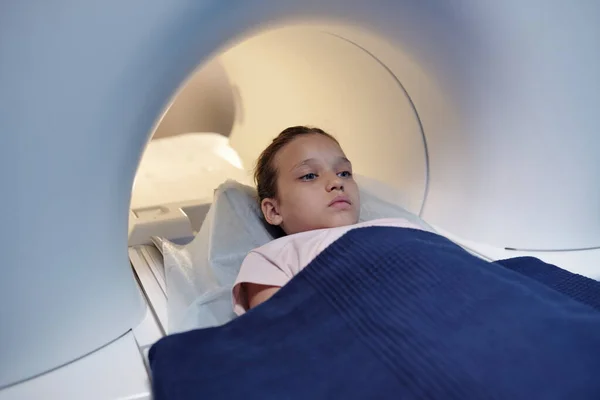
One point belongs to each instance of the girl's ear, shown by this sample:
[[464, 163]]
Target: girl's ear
[[270, 210]]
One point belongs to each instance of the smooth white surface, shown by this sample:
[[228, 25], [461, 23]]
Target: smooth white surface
[[507, 94], [149, 330], [582, 262], [115, 372], [153, 287]]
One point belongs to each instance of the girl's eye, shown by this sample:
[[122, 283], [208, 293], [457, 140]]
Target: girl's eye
[[308, 177], [345, 174]]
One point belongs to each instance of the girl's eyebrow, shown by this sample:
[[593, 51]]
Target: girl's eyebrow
[[340, 160], [302, 163]]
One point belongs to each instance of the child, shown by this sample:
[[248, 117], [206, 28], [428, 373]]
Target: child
[[305, 186]]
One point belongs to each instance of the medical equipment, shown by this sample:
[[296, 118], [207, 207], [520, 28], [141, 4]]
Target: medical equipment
[[485, 114]]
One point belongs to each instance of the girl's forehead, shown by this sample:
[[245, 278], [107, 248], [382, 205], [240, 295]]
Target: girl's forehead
[[309, 147]]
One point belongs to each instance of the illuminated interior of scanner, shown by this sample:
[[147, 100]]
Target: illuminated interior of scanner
[[417, 130], [315, 78], [484, 115], [183, 168]]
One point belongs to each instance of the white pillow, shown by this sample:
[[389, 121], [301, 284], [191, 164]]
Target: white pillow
[[201, 274]]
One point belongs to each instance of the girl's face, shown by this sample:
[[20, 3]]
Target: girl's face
[[315, 187]]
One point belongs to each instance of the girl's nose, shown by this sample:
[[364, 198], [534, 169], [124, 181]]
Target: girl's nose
[[335, 183]]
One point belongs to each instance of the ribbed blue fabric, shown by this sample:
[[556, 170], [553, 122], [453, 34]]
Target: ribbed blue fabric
[[397, 313], [576, 286]]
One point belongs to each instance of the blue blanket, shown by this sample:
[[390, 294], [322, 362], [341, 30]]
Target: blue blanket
[[398, 313]]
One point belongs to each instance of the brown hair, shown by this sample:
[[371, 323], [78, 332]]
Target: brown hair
[[265, 173]]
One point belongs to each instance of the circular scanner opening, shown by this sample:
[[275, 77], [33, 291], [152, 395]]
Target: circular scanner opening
[[232, 106]]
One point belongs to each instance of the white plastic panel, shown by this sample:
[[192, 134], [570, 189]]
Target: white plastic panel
[[115, 372], [529, 173], [507, 93]]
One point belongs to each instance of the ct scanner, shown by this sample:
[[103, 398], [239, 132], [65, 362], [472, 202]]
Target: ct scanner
[[485, 114]]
